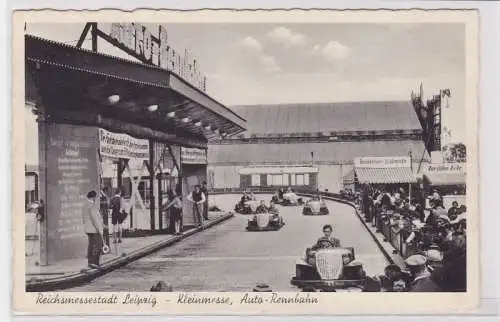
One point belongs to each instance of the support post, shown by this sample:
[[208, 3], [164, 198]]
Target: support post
[[160, 202], [94, 36], [43, 135], [84, 34], [151, 185]]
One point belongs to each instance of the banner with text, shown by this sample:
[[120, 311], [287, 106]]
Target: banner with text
[[382, 162], [446, 168], [119, 145], [193, 156]]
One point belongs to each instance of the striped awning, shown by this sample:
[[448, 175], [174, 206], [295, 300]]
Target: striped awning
[[385, 175]]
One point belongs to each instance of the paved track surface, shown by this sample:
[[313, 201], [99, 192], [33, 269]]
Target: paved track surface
[[228, 258]]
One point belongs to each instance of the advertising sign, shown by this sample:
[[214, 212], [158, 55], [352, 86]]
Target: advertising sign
[[119, 145], [193, 156], [151, 46], [458, 168], [71, 172], [382, 162]]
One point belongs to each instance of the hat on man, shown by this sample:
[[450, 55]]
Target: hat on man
[[261, 287], [355, 263], [416, 260], [434, 255]]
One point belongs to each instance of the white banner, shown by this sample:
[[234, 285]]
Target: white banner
[[383, 162], [118, 145], [193, 156]]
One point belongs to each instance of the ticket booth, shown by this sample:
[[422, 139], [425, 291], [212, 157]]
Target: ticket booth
[[93, 107]]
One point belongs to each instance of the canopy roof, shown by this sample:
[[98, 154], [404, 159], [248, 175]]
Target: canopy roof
[[76, 84]]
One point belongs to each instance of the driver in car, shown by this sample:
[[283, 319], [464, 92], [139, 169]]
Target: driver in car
[[262, 207], [327, 239], [244, 198]]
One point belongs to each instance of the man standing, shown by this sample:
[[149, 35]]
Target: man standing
[[422, 281], [197, 197], [204, 189], [93, 228]]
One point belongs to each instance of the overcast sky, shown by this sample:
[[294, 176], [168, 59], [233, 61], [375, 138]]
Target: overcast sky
[[280, 63]]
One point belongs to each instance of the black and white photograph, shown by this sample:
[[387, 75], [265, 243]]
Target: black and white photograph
[[258, 158]]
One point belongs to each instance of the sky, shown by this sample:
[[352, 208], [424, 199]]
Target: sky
[[299, 63]]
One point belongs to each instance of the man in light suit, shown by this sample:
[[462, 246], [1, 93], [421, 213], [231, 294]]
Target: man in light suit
[[94, 227]]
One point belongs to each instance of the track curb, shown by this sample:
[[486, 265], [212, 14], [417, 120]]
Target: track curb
[[87, 275]]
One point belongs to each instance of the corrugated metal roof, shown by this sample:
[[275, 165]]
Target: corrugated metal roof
[[329, 117], [300, 153]]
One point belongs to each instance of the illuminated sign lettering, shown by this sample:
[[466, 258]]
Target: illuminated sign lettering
[[138, 41]]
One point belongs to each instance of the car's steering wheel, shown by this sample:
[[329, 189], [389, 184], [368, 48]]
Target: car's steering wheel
[[325, 243]]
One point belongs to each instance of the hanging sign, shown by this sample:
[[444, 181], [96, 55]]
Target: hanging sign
[[119, 145], [382, 162], [193, 156], [446, 168]]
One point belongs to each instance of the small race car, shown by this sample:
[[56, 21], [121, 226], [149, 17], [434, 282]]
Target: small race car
[[291, 199], [265, 222], [315, 208], [329, 269], [246, 208]]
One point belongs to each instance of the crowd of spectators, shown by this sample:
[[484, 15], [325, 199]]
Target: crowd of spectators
[[431, 238]]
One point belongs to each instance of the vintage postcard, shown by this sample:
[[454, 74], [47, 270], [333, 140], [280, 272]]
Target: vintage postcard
[[245, 162]]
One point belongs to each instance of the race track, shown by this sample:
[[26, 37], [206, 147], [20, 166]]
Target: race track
[[228, 258]]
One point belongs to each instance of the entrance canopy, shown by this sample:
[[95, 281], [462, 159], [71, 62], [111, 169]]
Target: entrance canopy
[[88, 88], [384, 170]]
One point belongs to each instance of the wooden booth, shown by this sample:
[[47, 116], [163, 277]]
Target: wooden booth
[[109, 121]]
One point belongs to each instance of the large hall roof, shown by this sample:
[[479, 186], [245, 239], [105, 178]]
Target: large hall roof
[[300, 153], [329, 117]]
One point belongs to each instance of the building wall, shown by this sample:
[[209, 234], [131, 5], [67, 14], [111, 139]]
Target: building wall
[[224, 176], [330, 177]]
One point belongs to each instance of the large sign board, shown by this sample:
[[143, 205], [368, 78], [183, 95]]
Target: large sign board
[[193, 156], [71, 172], [124, 146], [151, 46], [382, 162]]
